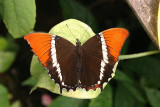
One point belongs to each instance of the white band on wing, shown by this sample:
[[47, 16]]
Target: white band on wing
[[54, 57]]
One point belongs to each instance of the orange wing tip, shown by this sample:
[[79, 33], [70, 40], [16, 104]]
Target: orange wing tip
[[40, 44], [115, 31], [115, 38], [35, 35]]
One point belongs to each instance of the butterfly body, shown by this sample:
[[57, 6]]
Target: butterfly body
[[86, 66], [79, 56]]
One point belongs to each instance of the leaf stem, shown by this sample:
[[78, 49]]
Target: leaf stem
[[137, 55]]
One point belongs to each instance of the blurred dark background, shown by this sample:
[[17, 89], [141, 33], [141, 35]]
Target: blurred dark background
[[105, 14]]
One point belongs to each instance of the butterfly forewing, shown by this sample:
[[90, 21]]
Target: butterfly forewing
[[57, 55], [100, 55], [65, 51], [92, 57]]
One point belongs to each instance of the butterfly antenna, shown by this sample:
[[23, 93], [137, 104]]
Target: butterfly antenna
[[70, 31], [84, 33], [86, 29]]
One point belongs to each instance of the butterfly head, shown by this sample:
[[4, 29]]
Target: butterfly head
[[78, 43]]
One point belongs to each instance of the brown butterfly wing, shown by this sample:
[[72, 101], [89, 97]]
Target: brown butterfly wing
[[100, 55], [57, 55]]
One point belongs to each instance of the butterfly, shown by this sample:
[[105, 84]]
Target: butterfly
[[86, 66]]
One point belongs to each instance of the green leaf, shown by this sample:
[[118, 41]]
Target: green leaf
[[1, 1], [18, 16], [6, 59], [135, 91], [123, 98], [36, 68], [72, 9], [16, 104], [128, 83], [3, 43], [4, 100], [146, 67], [74, 30], [8, 53], [120, 76], [44, 81], [153, 96], [30, 81], [62, 101], [104, 99]]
